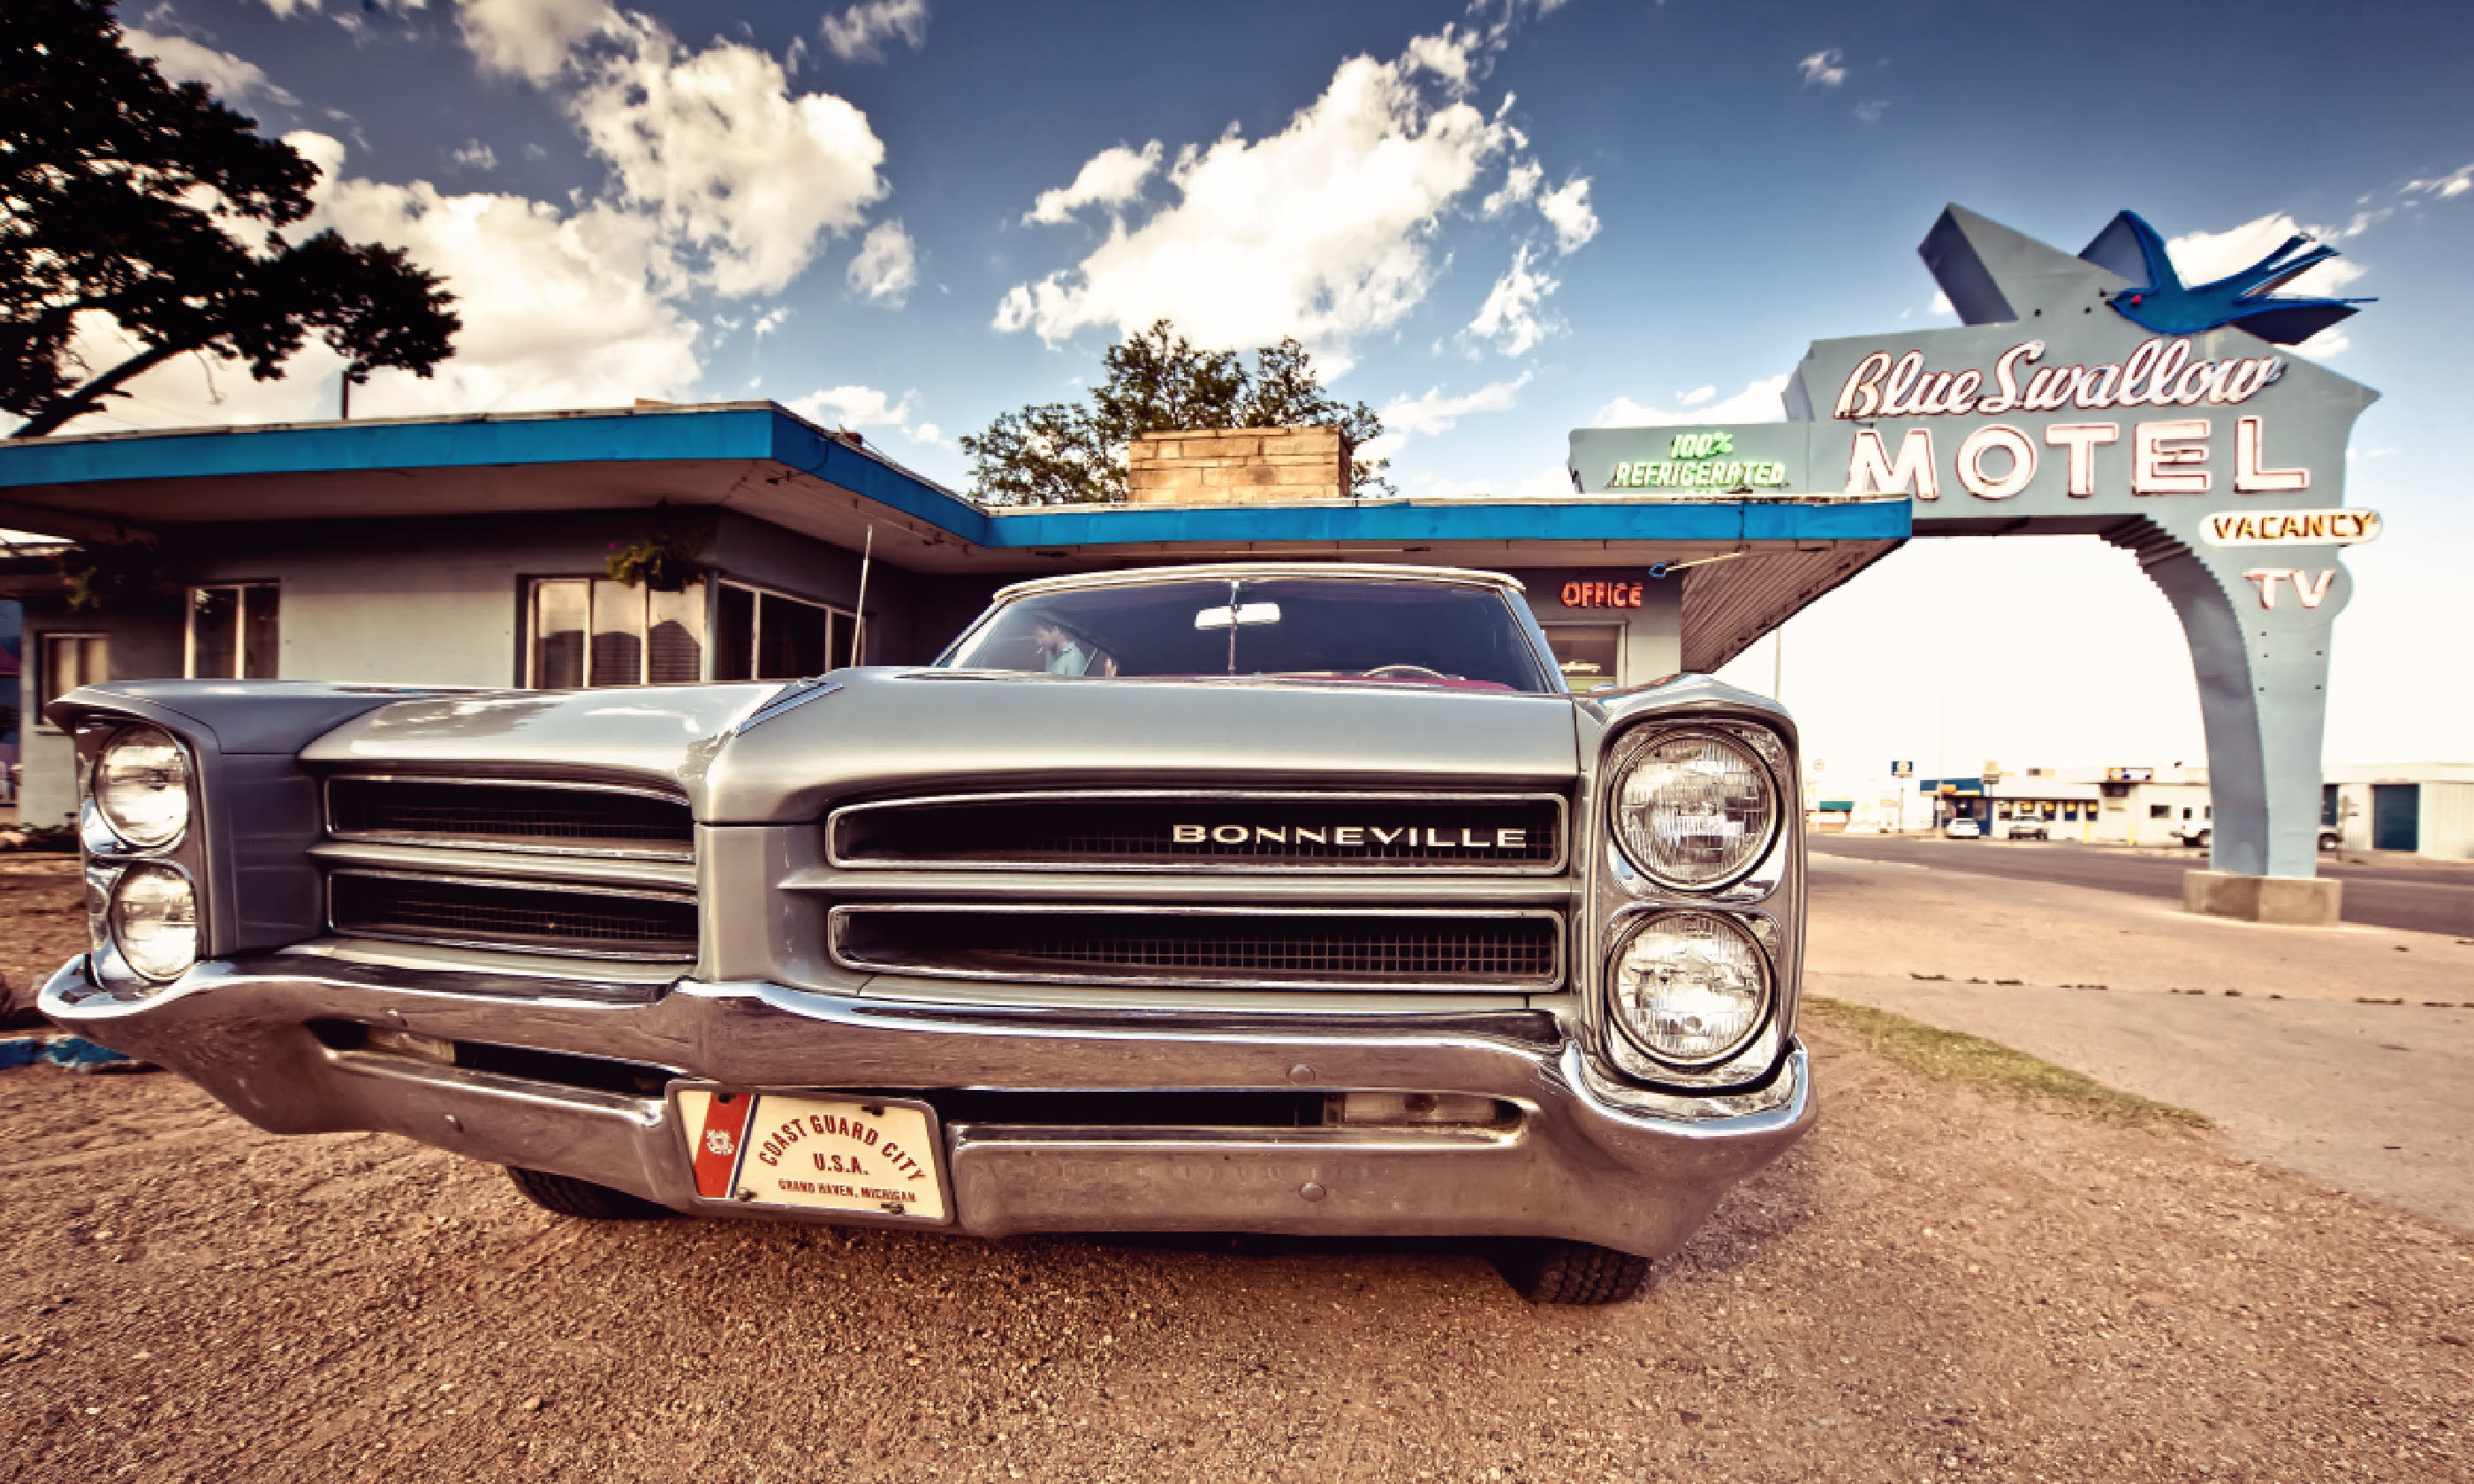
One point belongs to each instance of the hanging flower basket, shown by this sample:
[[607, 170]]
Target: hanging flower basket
[[664, 558], [118, 577]]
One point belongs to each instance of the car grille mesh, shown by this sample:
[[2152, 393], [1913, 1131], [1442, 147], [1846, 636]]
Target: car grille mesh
[[1203, 829], [550, 919], [1272, 948], [516, 816]]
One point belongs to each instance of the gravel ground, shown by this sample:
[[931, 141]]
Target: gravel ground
[[42, 921], [1938, 1285]]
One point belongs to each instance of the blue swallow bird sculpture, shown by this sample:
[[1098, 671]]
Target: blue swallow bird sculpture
[[2157, 300]]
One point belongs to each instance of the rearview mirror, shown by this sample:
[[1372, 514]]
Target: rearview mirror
[[1246, 613]]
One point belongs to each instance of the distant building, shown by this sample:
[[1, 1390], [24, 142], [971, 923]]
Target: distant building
[[2424, 807], [2109, 805]]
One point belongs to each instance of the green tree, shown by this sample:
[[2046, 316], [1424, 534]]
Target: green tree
[[123, 195], [1069, 453]]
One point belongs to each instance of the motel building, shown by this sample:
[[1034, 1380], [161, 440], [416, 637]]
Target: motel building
[[2108, 805], [474, 551]]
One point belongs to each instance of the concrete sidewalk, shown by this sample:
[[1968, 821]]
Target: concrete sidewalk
[[2374, 1098]]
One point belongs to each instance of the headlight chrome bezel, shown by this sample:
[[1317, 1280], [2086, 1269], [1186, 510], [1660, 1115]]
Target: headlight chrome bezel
[[1743, 741], [1627, 930], [109, 857], [139, 870], [135, 842]]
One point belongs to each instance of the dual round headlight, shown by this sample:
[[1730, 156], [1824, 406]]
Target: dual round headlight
[[1689, 987], [153, 917], [1695, 810], [141, 785]]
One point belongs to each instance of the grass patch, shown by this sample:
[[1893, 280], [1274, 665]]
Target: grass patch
[[1955, 1056]]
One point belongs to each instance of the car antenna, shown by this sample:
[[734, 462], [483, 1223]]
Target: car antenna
[[858, 629]]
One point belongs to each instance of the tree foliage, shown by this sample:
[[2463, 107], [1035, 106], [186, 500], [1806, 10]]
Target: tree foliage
[[123, 195], [1074, 453]]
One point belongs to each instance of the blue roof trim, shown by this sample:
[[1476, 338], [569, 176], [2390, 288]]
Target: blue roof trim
[[759, 433], [721, 433], [1595, 521], [830, 459]]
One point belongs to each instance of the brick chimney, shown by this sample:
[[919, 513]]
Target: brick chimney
[[1238, 465]]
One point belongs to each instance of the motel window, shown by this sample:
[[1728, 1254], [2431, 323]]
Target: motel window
[[1587, 654], [761, 635], [2160, 811], [69, 661], [233, 631], [592, 633]]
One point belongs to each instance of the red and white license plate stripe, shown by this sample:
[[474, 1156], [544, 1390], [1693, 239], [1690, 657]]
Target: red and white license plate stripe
[[716, 1143]]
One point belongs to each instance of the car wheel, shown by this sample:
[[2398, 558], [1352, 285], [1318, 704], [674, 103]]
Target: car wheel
[[582, 1198], [2328, 843], [1553, 1271]]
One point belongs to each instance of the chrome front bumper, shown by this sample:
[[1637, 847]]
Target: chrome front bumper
[[1588, 1159]]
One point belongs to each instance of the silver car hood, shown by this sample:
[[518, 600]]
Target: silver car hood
[[903, 730], [878, 731], [888, 730]]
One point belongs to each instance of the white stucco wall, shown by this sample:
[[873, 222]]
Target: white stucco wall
[[50, 777], [437, 620]]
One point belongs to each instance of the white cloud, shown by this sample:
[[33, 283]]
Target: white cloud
[[853, 406], [1566, 209], [1822, 68], [560, 309], [859, 33], [1941, 304], [2457, 182], [886, 268], [1520, 185], [713, 144], [2203, 257], [287, 9], [1871, 109], [1322, 230], [766, 324], [1435, 413], [474, 154], [928, 433], [863, 407], [530, 39], [1551, 483], [1509, 318], [1697, 395], [1760, 401], [229, 78], [1111, 177]]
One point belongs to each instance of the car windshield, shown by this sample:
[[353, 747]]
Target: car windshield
[[1353, 629]]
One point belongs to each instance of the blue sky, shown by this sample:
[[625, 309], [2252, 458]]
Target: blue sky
[[1497, 224]]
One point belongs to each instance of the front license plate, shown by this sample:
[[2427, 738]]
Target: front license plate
[[871, 1157]]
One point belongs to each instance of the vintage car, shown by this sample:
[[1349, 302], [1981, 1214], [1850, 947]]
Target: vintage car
[[1262, 898]]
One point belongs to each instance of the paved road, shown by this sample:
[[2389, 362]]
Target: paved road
[[2428, 898]]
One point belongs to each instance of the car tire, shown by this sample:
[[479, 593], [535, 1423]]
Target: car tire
[[1555, 1271], [582, 1198], [2327, 845]]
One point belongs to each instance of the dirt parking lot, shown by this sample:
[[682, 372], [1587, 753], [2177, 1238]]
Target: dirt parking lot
[[1939, 1284]]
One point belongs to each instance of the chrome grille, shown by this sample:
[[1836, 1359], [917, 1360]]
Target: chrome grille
[[1261, 948], [566, 818], [459, 912], [1126, 829]]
